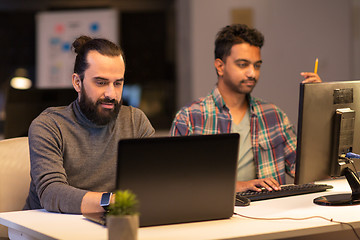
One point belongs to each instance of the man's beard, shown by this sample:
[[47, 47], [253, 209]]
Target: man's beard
[[246, 90], [94, 112]]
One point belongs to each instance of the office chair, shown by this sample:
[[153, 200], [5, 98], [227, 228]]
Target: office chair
[[14, 175]]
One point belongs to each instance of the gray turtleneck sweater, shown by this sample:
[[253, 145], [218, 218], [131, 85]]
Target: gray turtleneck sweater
[[70, 155]]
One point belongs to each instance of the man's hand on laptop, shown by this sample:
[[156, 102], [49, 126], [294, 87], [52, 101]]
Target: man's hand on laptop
[[257, 185]]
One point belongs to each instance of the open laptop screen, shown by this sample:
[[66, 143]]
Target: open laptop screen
[[180, 179]]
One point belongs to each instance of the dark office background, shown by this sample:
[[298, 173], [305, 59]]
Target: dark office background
[[146, 33]]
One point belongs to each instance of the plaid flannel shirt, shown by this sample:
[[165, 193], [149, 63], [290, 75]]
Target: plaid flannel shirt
[[272, 135]]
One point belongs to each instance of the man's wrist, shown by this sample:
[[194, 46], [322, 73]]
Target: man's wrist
[[106, 199]]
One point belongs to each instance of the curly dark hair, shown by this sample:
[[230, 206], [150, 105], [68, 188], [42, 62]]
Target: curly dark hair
[[83, 44], [235, 34]]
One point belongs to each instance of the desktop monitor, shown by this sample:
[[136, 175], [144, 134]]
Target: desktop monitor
[[327, 131], [131, 95]]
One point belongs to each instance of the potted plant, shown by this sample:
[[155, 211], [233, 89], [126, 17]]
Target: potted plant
[[122, 219]]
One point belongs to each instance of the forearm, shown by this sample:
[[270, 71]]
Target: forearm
[[71, 200], [91, 202], [60, 197]]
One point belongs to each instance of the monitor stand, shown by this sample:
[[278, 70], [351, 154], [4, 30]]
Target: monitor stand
[[343, 199]]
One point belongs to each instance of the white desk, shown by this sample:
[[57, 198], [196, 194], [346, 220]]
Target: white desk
[[40, 224]]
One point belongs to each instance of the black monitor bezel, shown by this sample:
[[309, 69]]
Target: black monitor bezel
[[311, 168]]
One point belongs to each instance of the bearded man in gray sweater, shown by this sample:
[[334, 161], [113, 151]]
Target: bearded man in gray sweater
[[73, 149]]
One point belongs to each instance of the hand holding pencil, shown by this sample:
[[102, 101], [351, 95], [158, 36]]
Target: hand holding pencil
[[312, 77]]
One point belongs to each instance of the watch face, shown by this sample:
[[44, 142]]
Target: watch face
[[105, 199]]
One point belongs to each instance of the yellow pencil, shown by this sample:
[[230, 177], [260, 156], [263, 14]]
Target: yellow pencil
[[316, 65]]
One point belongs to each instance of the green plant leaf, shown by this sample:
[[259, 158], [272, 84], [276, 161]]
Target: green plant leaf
[[126, 203]]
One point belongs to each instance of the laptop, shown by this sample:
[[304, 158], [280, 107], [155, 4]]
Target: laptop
[[179, 179]]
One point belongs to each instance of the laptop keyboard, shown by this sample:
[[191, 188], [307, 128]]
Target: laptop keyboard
[[285, 191]]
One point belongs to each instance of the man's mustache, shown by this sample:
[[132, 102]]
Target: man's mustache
[[106, 100], [250, 79]]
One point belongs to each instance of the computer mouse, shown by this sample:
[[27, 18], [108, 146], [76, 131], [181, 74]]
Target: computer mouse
[[241, 201]]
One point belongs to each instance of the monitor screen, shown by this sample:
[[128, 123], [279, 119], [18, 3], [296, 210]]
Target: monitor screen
[[327, 129], [131, 95]]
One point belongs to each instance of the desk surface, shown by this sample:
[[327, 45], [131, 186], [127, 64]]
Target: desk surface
[[40, 224]]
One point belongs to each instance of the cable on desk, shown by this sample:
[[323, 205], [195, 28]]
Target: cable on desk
[[304, 218]]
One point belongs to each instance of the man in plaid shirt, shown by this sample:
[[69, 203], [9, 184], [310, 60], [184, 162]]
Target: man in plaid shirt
[[267, 138]]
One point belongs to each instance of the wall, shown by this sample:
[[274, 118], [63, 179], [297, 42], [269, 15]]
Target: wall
[[296, 32], [356, 39]]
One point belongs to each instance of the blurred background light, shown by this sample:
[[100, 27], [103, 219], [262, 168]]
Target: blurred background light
[[20, 79]]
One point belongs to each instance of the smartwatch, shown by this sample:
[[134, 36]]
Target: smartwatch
[[105, 200]]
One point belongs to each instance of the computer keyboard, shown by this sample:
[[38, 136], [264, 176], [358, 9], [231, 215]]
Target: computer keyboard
[[285, 191]]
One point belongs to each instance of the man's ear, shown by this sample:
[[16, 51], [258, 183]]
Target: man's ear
[[219, 66], [76, 82]]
